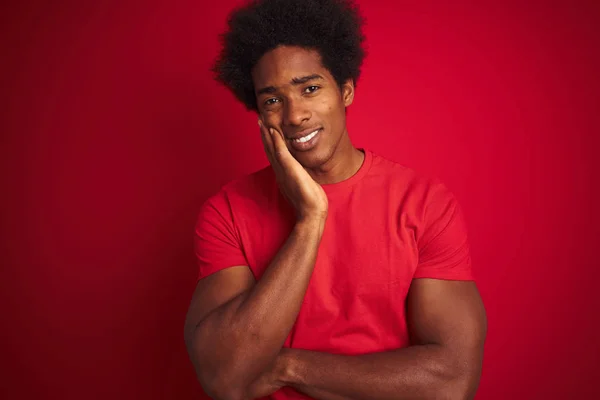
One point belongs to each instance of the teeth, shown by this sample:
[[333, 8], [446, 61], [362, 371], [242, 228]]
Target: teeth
[[307, 137]]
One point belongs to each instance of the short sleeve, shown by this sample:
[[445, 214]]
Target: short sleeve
[[443, 246], [216, 242]]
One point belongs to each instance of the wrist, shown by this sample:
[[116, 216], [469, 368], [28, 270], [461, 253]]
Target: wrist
[[312, 223], [288, 367]]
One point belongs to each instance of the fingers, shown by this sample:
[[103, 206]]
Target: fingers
[[267, 142], [281, 152], [276, 149], [279, 147]]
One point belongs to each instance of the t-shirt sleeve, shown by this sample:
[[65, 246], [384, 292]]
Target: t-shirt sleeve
[[216, 241], [443, 246]]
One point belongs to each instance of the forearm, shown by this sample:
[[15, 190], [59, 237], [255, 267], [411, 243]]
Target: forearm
[[416, 372], [238, 340]]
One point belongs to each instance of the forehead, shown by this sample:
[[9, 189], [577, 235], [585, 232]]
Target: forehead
[[279, 66]]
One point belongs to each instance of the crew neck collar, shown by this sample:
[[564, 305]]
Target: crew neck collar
[[362, 171]]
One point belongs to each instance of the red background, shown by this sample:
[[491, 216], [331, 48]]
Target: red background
[[113, 134]]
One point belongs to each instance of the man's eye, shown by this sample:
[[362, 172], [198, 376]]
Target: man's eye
[[311, 89], [270, 102]]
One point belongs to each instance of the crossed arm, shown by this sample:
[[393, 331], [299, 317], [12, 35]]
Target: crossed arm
[[447, 326]]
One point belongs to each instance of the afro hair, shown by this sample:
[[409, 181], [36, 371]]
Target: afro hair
[[331, 27]]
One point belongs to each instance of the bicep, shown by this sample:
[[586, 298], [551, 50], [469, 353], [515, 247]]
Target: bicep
[[214, 291], [448, 313]]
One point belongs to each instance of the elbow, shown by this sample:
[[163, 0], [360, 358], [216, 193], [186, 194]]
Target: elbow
[[221, 377], [461, 395], [457, 395], [221, 383], [461, 388], [219, 390], [212, 378]]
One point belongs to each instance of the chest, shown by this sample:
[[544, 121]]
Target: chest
[[364, 267], [360, 247]]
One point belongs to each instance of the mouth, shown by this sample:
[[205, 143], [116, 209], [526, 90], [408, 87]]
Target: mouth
[[307, 141], [302, 133], [305, 138]]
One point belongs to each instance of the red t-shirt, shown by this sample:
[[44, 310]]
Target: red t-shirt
[[386, 226]]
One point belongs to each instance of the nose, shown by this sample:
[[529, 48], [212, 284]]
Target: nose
[[295, 112]]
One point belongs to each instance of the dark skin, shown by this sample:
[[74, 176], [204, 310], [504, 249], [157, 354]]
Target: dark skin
[[236, 327], [288, 106]]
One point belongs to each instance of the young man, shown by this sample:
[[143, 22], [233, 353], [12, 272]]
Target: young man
[[333, 273]]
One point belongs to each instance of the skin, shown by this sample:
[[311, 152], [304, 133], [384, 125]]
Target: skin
[[236, 327], [447, 323], [290, 107]]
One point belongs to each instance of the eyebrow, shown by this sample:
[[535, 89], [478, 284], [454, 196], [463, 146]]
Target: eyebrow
[[294, 81]]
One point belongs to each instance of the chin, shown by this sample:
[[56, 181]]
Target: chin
[[313, 159]]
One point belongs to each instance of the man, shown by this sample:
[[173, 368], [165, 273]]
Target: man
[[333, 273]]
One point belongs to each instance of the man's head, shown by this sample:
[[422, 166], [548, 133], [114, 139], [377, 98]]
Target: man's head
[[296, 63]]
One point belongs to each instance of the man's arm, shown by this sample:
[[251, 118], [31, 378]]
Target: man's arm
[[235, 328], [447, 325]]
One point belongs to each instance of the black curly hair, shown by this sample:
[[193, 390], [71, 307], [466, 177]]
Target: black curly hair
[[332, 27]]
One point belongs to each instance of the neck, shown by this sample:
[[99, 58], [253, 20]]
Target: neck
[[344, 163]]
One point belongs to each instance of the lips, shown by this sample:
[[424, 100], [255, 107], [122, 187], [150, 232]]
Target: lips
[[308, 144], [302, 133]]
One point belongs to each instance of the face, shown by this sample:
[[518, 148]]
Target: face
[[298, 96]]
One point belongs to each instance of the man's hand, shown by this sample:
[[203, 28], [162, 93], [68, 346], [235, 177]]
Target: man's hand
[[306, 195]]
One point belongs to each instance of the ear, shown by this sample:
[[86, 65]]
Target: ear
[[348, 92]]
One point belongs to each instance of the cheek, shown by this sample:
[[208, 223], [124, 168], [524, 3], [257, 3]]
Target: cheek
[[272, 119], [333, 111], [328, 107]]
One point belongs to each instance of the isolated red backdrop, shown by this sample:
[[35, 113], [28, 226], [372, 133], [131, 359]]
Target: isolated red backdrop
[[113, 134]]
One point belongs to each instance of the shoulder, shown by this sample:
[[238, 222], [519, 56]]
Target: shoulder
[[248, 189], [408, 181]]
